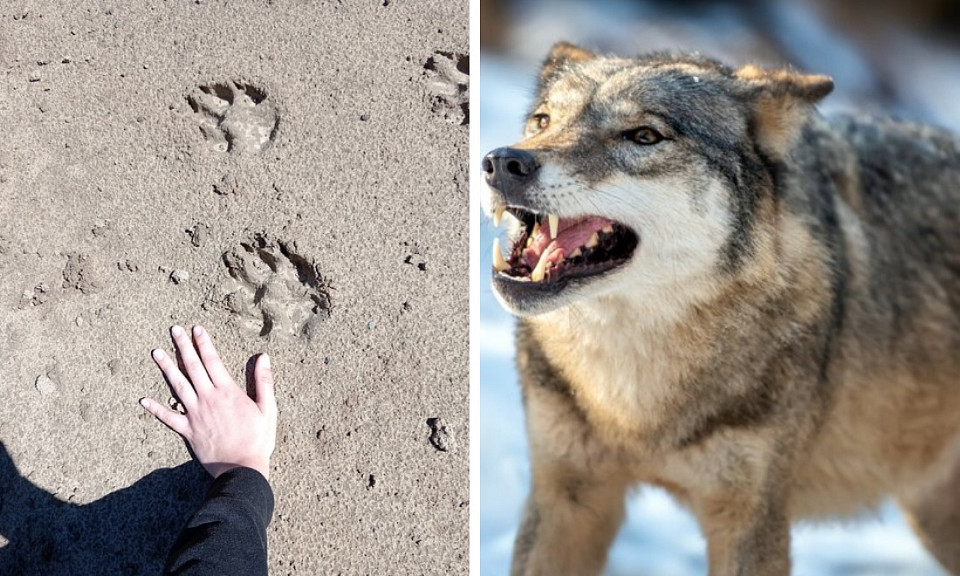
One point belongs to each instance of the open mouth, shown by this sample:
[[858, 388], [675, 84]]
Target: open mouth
[[549, 249]]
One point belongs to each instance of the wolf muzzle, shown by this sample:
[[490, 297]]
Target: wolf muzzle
[[510, 171]]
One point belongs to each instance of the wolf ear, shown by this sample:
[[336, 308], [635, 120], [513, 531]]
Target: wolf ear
[[561, 54], [782, 101]]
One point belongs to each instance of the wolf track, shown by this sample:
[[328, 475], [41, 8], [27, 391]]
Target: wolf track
[[273, 290], [448, 83], [235, 117]]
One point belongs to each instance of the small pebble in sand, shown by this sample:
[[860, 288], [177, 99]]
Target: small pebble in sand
[[179, 276], [440, 437], [34, 77], [45, 385], [198, 233], [371, 325], [227, 185], [364, 117]]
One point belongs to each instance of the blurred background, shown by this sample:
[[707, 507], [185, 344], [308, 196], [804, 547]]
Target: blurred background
[[895, 57]]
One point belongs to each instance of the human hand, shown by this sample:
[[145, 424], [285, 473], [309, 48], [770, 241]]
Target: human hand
[[225, 428]]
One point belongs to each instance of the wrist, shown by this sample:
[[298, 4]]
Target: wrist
[[261, 466]]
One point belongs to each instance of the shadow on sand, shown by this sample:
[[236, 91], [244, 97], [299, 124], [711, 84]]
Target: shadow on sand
[[127, 532]]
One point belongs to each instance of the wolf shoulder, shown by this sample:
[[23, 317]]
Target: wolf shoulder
[[894, 159], [900, 179]]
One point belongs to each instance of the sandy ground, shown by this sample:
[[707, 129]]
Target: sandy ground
[[291, 175]]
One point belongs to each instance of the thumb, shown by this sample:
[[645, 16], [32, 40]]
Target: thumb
[[263, 378]]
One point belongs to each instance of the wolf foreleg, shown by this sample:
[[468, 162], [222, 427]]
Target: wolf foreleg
[[568, 525]]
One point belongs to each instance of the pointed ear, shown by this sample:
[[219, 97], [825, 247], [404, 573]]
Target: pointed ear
[[782, 101], [561, 54]]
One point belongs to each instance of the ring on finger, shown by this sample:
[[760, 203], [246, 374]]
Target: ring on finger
[[176, 405]]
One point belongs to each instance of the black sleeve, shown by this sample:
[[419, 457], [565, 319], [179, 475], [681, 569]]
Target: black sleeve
[[228, 534]]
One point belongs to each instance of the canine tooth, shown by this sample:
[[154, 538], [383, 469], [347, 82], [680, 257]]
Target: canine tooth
[[593, 241], [554, 222], [543, 263], [498, 215], [499, 264], [536, 230], [540, 270], [576, 253], [608, 229], [529, 241]]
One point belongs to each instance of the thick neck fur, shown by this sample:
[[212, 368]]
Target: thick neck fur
[[636, 362]]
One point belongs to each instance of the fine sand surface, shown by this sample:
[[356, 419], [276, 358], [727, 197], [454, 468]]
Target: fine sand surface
[[293, 176]]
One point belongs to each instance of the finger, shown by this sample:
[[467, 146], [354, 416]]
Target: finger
[[191, 362], [211, 360], [263, 379], [172, 420], [177, 381]]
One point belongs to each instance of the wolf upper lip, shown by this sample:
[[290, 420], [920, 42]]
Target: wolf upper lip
[[549, 247]]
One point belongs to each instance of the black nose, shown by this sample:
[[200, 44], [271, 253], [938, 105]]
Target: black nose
[[508, 166]]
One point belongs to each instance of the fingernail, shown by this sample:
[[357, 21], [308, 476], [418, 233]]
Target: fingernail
[[198, 330], [142, 402], [266, 361], [177, 331]]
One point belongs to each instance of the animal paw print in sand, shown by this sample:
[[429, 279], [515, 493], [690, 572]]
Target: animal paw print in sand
[[235, 117], [448, 86], [273, 290]]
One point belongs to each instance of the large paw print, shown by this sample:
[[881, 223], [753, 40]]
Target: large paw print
[[235, 117], [448, 86], [273, 290]]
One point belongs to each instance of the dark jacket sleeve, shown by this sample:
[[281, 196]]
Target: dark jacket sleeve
[[228, 534]]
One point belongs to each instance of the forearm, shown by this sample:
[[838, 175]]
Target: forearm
[[228, 534]]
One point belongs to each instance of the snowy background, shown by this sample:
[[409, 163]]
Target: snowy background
[[660, 538]]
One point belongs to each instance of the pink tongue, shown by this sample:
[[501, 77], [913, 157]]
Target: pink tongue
[[573, 233]]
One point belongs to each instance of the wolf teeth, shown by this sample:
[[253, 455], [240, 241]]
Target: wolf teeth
[[541, 269], [498, 215], [593, 241], [608, 229], [499, 264], [555, 265], [575, 253], [554, 222], [536, 230]]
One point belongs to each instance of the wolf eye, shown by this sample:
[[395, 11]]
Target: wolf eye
[[542, 120], [643, 135]]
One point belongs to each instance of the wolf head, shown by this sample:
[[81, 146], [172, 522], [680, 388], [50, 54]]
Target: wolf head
[[644, 176]]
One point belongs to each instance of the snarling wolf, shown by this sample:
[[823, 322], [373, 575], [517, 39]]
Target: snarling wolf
[[723, 293]]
